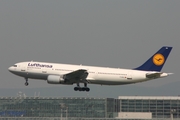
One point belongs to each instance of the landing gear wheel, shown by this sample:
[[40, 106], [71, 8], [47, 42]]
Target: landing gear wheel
[[26, 83], [87, 89], [76, 89], [80, 89], [83, 89]]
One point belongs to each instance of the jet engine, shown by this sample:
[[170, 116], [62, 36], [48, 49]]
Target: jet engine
[[55, 79]]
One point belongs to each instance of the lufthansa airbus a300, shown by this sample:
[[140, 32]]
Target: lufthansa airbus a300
[[68, 74]]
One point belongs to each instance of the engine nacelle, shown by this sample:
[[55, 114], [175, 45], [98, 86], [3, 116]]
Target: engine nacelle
[[55, 79]]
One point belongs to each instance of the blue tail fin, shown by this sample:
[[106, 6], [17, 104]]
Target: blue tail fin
[[157, 61]]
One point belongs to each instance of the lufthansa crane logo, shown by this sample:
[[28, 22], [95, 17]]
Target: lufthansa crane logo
[[158, 59]]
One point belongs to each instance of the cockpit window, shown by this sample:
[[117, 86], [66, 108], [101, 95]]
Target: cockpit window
[[14, 65]]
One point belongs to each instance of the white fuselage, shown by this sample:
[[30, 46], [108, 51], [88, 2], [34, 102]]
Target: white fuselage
[[96, 75]]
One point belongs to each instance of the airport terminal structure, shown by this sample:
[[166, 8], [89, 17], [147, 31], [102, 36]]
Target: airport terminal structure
[[67, 108]]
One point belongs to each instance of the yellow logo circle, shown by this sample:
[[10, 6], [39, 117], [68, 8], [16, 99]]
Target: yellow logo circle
[[158, 59]]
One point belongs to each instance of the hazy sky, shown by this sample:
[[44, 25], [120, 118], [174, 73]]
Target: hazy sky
[[111, 33]]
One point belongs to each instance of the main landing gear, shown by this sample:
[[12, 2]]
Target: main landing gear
[[85, 88], [26, 83]]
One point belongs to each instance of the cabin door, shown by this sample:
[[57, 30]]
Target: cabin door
[[129, 75]]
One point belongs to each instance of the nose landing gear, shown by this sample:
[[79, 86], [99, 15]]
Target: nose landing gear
[[26, 83]]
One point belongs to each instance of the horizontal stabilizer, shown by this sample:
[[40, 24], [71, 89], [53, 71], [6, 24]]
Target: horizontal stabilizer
[[170, 73], [153, 75]]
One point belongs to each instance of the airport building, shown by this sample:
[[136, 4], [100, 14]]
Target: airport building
[[154, 107], [67, 108]]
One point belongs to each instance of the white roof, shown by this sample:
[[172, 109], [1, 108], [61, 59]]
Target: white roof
[[150, 97]]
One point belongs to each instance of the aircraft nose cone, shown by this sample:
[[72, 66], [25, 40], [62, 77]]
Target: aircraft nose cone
[[10, 69]]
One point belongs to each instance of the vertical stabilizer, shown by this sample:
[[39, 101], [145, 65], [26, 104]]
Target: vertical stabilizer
[[157, 61]]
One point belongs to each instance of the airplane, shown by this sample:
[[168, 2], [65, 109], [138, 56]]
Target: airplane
[[69, 74]]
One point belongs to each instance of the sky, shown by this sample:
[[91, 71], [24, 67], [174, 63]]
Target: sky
[[109, 33]]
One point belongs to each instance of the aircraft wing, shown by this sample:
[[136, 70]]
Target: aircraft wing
[[76, 76]]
